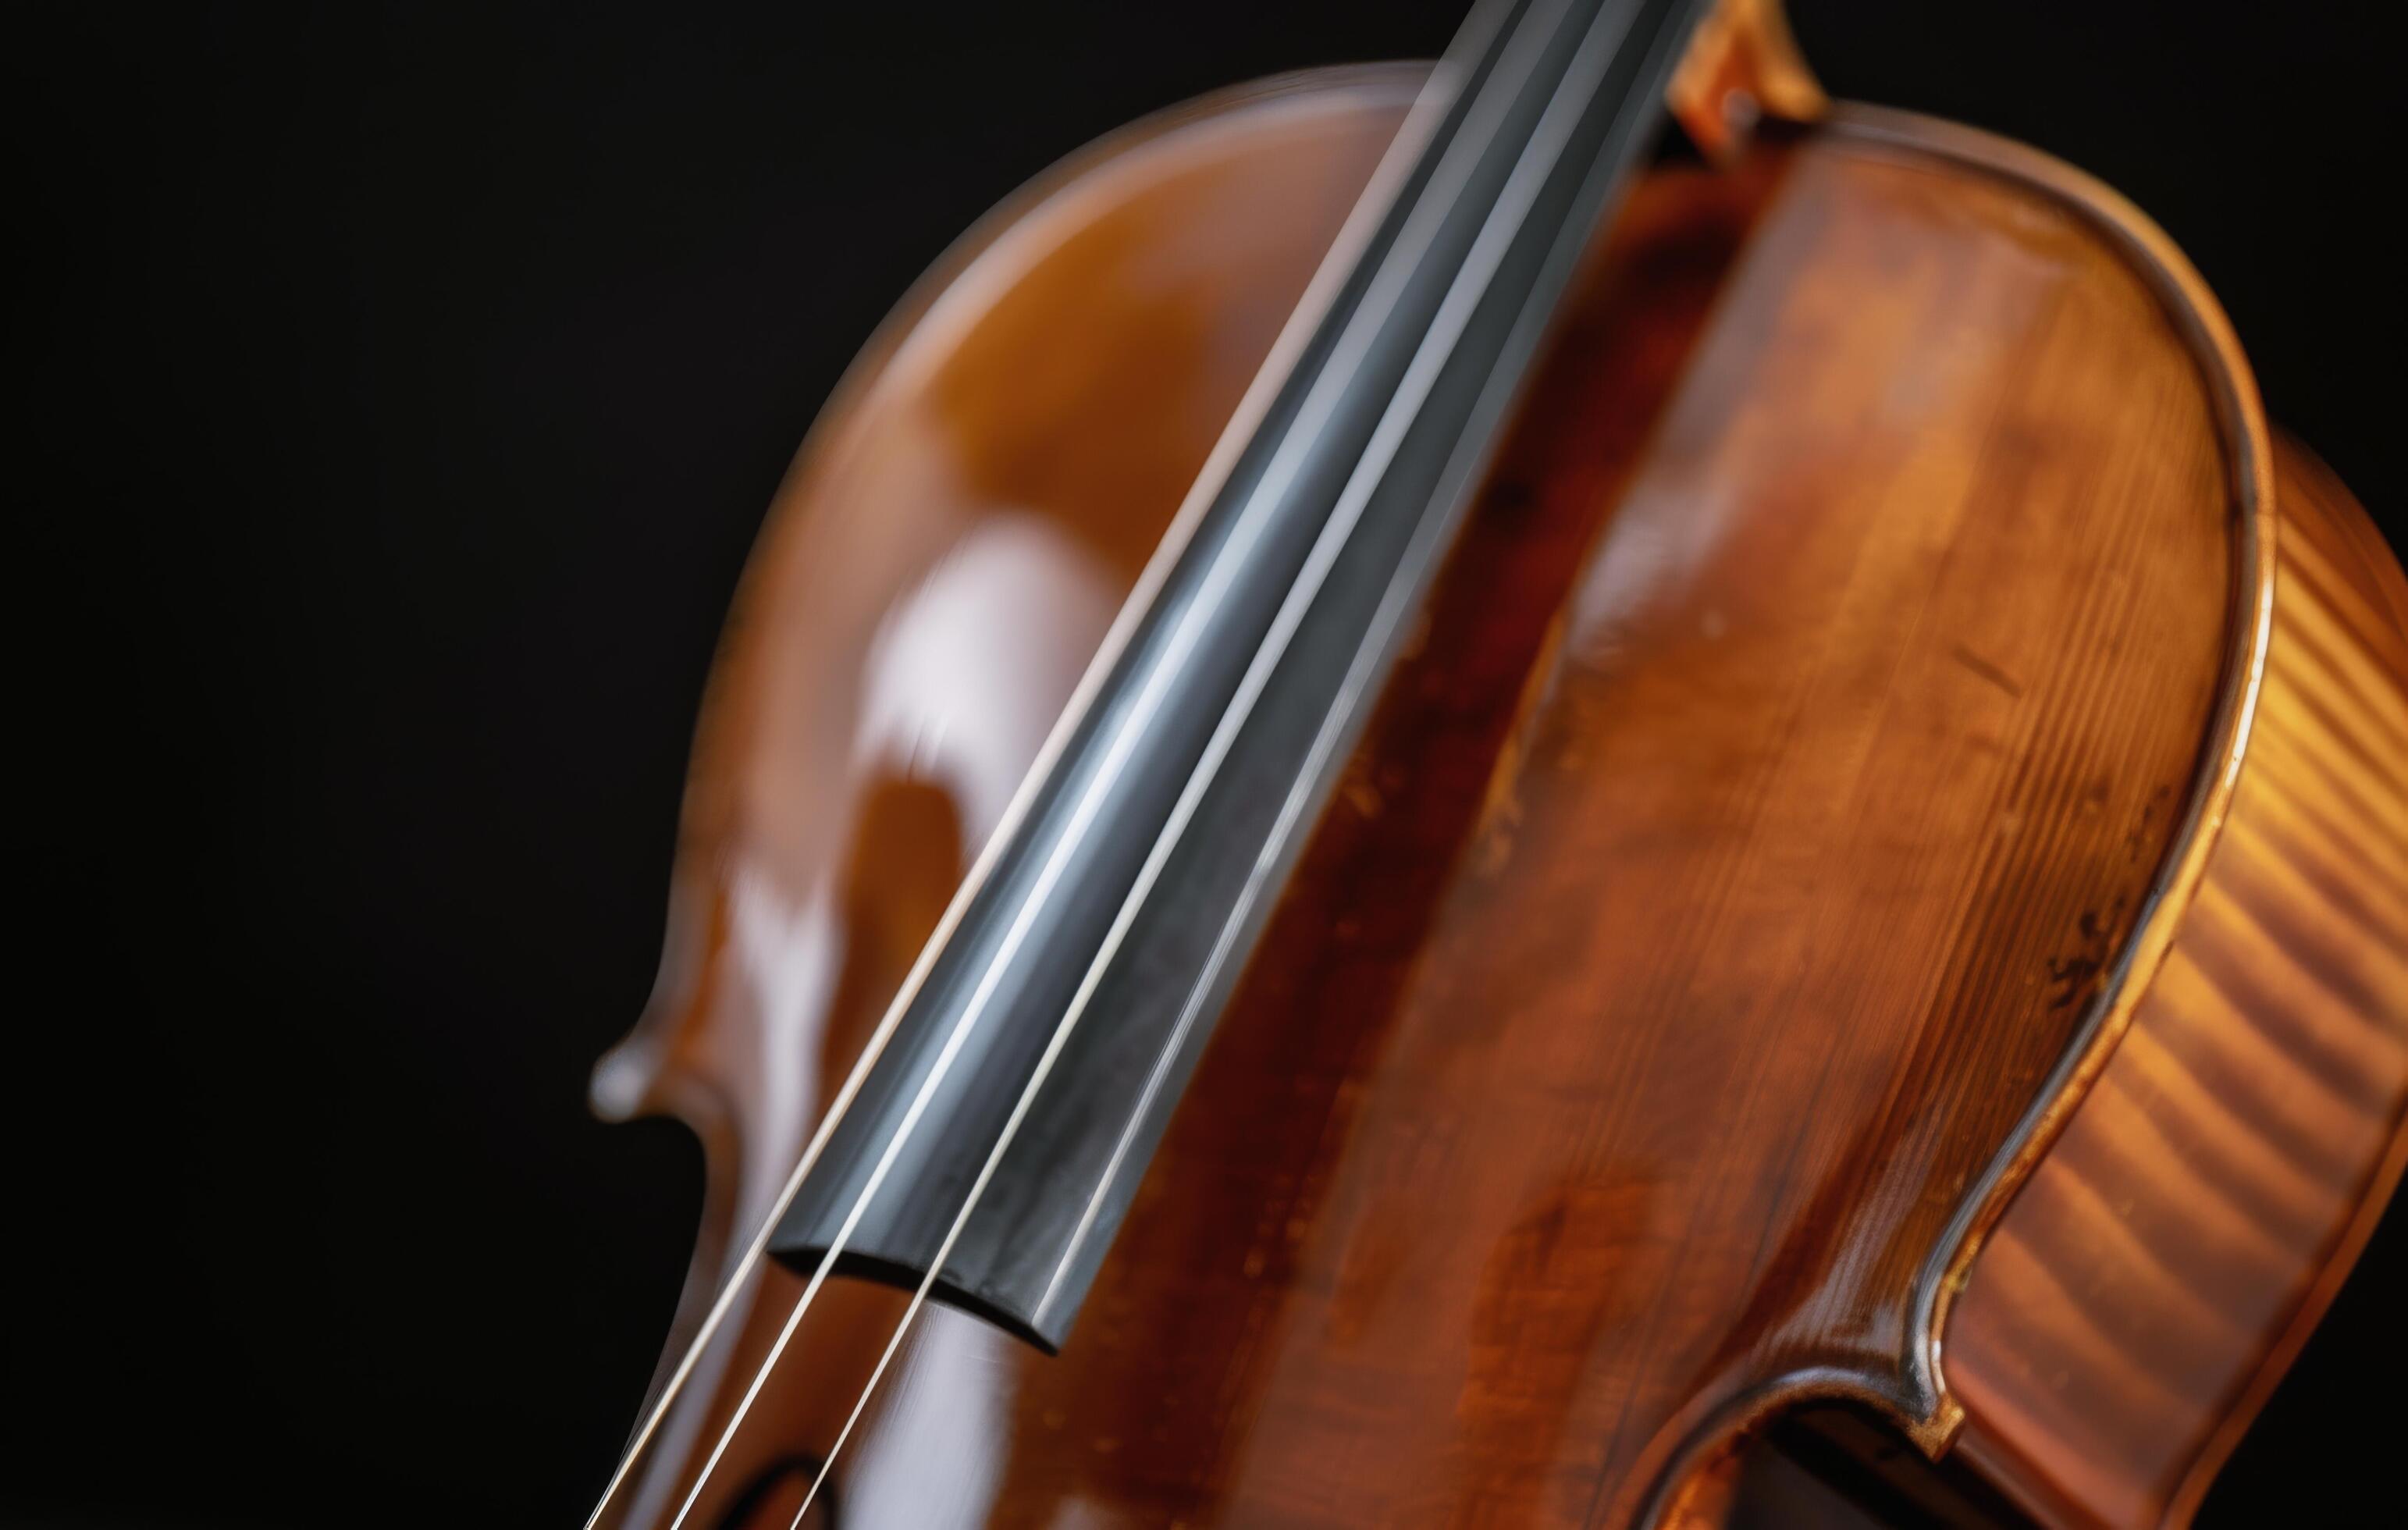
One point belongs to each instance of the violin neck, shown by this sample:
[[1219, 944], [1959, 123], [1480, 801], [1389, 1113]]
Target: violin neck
[[1052, 1030]]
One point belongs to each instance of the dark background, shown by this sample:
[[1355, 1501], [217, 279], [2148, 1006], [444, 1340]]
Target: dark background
[[401, 392]]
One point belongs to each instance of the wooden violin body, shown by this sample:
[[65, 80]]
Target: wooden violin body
[[1882, 876]]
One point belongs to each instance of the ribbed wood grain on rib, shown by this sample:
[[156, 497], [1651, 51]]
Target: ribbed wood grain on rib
[[2152, 1280]]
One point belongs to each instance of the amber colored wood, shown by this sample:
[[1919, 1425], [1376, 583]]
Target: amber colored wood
[[2151, 1281], [953, 539], [1800, 730], [1737, 887]]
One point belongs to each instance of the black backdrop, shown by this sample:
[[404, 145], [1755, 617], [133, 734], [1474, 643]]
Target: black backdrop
[[402, 392]]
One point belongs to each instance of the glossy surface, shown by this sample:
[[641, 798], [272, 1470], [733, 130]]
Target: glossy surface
[[2141, 1296], [1796, 740], [1801, 730], [953, 541], [1014, 1100]]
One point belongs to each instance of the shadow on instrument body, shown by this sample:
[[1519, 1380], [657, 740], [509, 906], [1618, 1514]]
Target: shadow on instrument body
[[1816, 706]]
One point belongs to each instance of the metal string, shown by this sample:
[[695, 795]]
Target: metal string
[[1419, 232], [1319, 294], [1595, 51]]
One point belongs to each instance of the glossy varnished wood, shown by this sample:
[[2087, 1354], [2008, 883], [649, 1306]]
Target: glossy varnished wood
[[1735, 897], [2144, 1292], [1794, 741], [941, 563]]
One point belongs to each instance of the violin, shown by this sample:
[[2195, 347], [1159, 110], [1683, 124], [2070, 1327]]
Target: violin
[[1559, 789]]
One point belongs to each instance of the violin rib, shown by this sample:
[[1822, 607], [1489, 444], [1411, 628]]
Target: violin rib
[[2177, 1243]]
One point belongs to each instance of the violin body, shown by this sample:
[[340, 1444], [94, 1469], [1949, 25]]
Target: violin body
[[1881, 877]]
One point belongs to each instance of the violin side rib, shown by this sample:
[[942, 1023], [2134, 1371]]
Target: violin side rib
[[2148, 1285]]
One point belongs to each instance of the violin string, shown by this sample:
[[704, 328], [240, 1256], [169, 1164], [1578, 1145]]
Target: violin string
[[1380, 632], [1318, 297], [1597, 47], [1380, 296]]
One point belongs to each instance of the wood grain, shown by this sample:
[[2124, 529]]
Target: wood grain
[[2149, 1283], [1798, 736], [1744, 884]]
